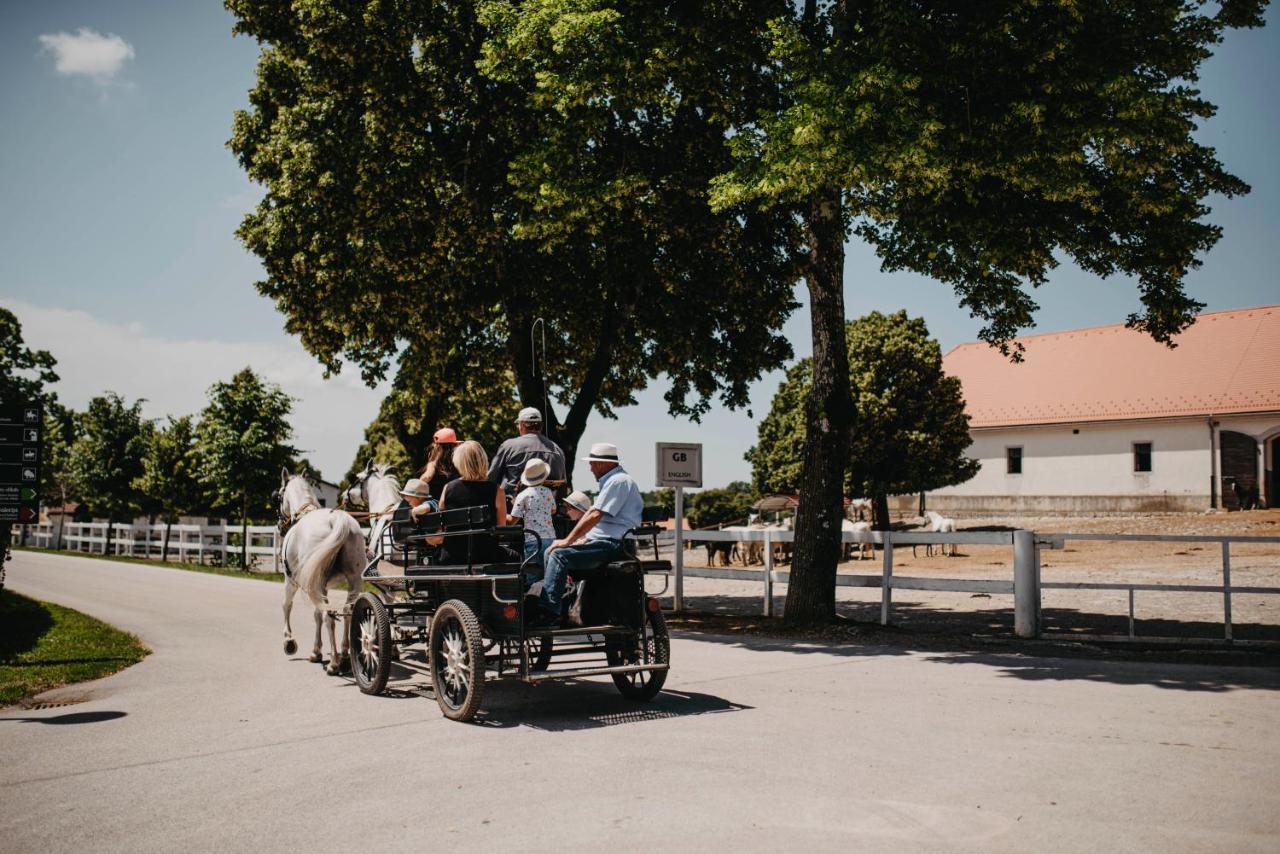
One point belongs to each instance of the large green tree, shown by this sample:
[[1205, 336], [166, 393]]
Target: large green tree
[[106, 458], [57, 476], [402, 146], [242, 443], [170, 477], [910, 430], [977, 143], [725, 505]]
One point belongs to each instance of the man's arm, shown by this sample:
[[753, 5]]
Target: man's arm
[[498, 465], [586, 523]]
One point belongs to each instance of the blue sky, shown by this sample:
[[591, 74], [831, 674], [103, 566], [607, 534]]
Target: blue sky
[[119, 199]]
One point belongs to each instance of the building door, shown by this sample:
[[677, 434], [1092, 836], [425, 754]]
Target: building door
[[1239, 466]]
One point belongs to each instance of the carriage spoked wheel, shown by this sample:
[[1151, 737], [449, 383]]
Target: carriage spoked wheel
[[371, 646], [457, 660], [650, 645]]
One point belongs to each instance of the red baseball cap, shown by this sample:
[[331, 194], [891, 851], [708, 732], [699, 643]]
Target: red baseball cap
[[445, 436]]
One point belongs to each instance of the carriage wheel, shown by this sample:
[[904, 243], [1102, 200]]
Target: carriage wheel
[[650, 645], [371, 647], [457, 660]]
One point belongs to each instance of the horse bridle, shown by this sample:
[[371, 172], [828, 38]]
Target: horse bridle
[[288, 521]]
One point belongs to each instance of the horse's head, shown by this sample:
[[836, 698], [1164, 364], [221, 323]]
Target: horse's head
[[374, 485], [295, 496]]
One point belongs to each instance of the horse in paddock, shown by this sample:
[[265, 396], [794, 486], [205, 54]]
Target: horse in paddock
[[867, 548], [321, 548], [938, 524]]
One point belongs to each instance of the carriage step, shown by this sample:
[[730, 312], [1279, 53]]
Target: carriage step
[[580, 630], [595, 671]]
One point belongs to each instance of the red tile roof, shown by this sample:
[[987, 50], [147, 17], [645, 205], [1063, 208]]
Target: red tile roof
[[1228, 362]]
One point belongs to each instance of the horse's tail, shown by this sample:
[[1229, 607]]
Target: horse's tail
[[315, 567]]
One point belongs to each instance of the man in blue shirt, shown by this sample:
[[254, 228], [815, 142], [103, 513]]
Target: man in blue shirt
[[598, 536]]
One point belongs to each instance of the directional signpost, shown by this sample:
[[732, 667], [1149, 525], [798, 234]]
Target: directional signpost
[[20, 457], [679, 465]]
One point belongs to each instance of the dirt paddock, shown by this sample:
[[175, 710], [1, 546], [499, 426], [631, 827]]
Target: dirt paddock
[[1254, 617]]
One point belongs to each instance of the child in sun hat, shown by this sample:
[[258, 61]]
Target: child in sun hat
[[534, 506]]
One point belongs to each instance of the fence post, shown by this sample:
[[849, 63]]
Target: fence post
[[768, 573], [1226, 588], [1026, 587], [678, 596], [886, 580]]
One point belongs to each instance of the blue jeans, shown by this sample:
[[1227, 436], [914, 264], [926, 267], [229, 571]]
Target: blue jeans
[[564, 561], [535, 556]]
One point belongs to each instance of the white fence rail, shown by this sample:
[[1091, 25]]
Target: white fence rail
[[187, 543]]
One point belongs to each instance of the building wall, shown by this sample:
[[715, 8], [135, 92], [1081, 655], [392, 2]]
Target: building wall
[[1091, 471]]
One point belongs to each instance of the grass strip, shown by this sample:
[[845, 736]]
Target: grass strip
[[44, 646], [168, 564]]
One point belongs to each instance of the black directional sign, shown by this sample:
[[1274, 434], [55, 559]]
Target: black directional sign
[[20, 457]]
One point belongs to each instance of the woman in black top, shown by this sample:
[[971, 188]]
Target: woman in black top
[[473, 488]]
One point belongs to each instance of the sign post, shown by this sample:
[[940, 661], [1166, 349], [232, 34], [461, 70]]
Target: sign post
[[21, 427], [679, 465]]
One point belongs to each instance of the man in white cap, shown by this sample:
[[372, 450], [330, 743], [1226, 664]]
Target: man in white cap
[[508, 462], [598, 536]]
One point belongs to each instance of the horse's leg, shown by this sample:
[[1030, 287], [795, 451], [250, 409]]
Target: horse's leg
[[290, 645], [317, 653], [335, 658]]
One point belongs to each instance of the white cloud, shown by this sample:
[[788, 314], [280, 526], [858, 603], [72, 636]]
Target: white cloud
[[94, 356], [88, 53]]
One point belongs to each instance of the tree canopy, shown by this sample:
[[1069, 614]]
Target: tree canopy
[[106, 458], [24, 373], [910, 429], [976, 143], [726, 505], [434, 184]]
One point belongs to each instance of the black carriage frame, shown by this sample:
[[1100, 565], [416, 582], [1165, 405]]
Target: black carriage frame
[[492, 599]]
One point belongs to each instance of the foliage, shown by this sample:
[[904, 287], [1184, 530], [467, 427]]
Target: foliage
[[910, 430], [106, 460], [242, 442], [170, 476], [439, 176], [721, 506], [57, 478], [479, 405], [974, 142], [44, 646], [24, 373], [663, 497]]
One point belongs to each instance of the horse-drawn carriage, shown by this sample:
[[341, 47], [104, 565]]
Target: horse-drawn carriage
[[472, 616]]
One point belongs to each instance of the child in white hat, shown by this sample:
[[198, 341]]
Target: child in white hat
[[534, 505]]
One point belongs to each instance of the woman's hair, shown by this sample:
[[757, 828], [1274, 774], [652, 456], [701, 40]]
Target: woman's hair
[[439, 461], [471, 461]]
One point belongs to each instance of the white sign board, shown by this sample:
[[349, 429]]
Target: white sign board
[[679, 464]]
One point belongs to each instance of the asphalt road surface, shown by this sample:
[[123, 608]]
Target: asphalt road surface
[[219, 742]]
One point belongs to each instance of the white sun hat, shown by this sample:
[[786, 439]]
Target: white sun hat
[[416, 488], [578, 500], [535, 472], [602, 452]]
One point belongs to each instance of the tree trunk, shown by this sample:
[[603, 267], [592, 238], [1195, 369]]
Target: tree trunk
[[164, 549], [6, 533], [106, 550], [880, 512], [62, 520], [244, 533], [811, 593]]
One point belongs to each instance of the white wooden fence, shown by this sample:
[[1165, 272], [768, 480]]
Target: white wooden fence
[[187, 543]]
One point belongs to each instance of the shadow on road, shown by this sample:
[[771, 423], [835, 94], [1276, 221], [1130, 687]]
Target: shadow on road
[[72, 718], [578, 704]]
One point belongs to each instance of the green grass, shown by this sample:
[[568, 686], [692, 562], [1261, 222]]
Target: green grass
[[43, 646], [190, 567]]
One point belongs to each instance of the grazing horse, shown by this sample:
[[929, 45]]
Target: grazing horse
[[860, 547], [938, 524], [321, 547]]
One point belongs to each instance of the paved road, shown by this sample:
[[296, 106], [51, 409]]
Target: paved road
[[218, 742]]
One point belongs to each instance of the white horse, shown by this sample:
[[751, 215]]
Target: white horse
[[321, 547], [861, 548], [938, 524], [377, 491]]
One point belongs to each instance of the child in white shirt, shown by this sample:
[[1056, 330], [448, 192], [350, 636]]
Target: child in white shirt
[[534, 506]]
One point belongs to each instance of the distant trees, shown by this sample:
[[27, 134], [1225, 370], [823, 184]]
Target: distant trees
[[243, 444], [726, 505], [909, 431], [170, 475], [57, 478], [106, 458]]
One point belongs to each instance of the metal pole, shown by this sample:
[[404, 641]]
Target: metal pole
[[678, 596], [1026, 592], [768, 573], [886, 580], [1226, 588]]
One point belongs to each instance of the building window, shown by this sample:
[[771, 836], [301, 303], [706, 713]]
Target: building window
[[1013, 460], [1141, 456]]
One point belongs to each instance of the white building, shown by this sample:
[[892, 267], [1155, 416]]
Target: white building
[[1105, 420]]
